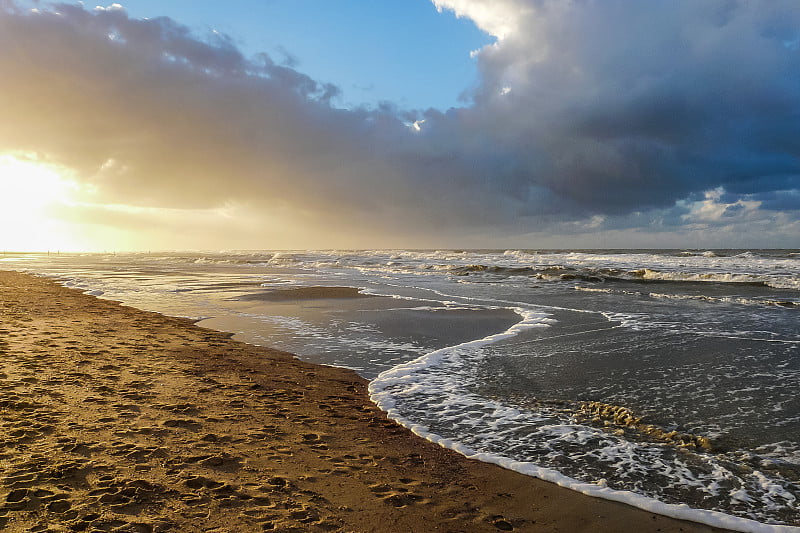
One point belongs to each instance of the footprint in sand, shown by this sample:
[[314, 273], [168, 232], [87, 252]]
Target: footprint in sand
[[399, 495], [183, 423], [404, 499], [180, 408], [501, 523], [202, 482], [316, 441], [224, 462], [466, 513], [283, 450]]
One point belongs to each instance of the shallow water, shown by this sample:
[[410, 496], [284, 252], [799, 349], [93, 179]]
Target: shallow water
[[699, 349]]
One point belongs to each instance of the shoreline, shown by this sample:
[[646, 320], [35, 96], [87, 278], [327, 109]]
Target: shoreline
[[127, 420]]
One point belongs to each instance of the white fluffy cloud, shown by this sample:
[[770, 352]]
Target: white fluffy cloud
[[499, 18]]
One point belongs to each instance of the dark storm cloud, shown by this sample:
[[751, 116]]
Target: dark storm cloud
[[584, 109], [636, 104], [776, 200]]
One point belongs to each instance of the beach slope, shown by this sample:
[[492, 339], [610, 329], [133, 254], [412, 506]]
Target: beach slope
[[116, 419]]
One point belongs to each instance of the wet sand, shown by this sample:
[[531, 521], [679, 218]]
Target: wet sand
[[305, 293], [115, 419]]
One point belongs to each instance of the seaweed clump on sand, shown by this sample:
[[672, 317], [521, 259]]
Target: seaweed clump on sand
[[610, 415]]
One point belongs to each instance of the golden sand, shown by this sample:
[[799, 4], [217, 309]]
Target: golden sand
[[115, 419]]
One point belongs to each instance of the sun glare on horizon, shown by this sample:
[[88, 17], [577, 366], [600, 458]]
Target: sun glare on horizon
[[29, 190]]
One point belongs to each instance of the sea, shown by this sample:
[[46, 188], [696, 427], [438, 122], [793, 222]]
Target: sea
[[666, 379]]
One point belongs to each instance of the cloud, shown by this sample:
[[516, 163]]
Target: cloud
[[153, 116], [590, 116], [499, 18], [651, 101]]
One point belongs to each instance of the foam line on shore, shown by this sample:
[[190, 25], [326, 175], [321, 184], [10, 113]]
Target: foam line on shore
[[402, 374]]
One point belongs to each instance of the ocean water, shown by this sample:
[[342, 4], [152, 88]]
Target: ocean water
[[665, 379]]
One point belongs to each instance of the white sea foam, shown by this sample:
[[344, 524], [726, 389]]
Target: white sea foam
[[400, 383], [319, 337], [787, 303], [404, 372], [717, 277], [777, 272]]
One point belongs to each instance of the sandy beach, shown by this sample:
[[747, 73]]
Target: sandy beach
[[116, 419]]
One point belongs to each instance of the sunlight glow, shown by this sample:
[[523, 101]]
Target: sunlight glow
[[29, 192]]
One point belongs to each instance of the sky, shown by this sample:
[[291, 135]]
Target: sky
[[398, 51], [293, 124]]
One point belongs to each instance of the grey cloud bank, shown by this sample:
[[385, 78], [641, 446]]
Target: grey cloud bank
[[635, 120]]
